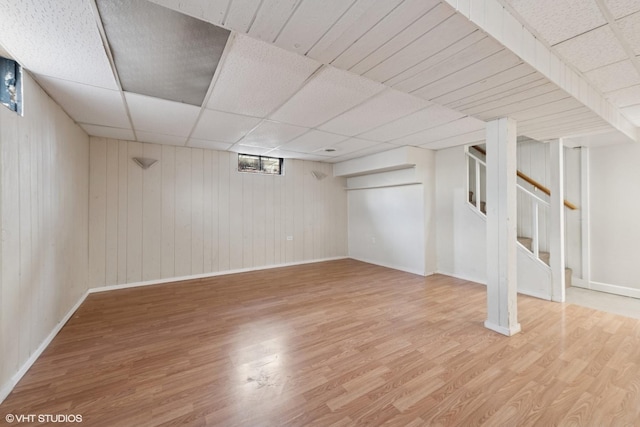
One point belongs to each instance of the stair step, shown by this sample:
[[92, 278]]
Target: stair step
[[526, 242]]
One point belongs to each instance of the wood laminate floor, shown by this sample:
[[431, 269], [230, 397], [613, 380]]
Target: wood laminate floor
[[332, 344]]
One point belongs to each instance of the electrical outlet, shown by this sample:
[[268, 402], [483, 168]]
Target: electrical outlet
[[289, 237]]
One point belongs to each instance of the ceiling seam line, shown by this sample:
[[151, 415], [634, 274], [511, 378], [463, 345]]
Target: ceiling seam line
[[330, 27]]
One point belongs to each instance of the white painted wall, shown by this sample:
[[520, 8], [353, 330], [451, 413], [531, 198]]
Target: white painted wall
[[194, 213], [615, 212], [44, 176], [461, 232], [392, 211]]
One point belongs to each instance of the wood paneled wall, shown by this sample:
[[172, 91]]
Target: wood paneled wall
[[44, 174], [194, 213]]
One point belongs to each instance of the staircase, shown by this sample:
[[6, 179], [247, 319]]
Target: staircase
[[527, 242]]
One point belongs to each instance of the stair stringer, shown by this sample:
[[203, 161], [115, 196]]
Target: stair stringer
[[534, 276]]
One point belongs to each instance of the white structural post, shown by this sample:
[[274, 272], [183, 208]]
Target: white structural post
[[556, 220], [584, 216], [502, 287]]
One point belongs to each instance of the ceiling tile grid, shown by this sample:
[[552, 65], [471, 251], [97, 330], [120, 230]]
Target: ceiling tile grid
[[270, 134], [383, 108], [329, 93], [614, 76], [210, 145], [593, 49], [622, 8], [558, 21], [108, 132], [625, 97], [223, 127], [630, 29], [160, 116], [312, 141], [256, 77], [88, 104]]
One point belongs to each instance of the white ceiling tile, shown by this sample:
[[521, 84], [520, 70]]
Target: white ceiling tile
[[158, 138], [87, 104], [382, 108], [467, 138], [448, 130], [620, 8], [630, 28], [327, 94], [223, 127], [557, 20], [593, 49], [615, 76], [312, 141], [310, 22], [633, 114], [420, 120], [107, 132], [211, 145], [625, 97], [270, 134], [161, 116], [256, 77], [351, 145], [58, 40]]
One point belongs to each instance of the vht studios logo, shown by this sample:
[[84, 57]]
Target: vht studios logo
[[43, 418]]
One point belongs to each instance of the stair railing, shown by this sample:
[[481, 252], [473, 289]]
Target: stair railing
[[536, 203]]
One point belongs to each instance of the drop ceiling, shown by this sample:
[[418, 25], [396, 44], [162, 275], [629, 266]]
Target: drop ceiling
[[298, 77]]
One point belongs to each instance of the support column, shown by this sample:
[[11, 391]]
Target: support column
[[556, 221], [584, 216], [502, 288]]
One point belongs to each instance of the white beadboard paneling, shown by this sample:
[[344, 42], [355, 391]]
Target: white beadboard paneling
[[350, 27], [223, 127], [97, 211], [256, 77], [310, 22], [134, 214], [161, 116], [453, 128], [44, 216], [452, 36], [198, 214], [241, 14], [271, 18], [88, 104], [387, 30], [383, 108], [427, 22], [329, 93], [151, 215]]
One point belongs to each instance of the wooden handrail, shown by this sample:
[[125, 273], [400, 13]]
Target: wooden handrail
[[531, 181]]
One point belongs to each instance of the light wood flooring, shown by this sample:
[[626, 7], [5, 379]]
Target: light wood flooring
[[332, 344]]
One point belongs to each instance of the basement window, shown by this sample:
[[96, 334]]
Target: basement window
[[11, 85], [260, 164]]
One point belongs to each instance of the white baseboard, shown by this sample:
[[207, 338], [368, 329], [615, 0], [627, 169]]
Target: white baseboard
[[394, 267], [606, 287], [535, 294], [6, 388], [206, 275], [503, 330]]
